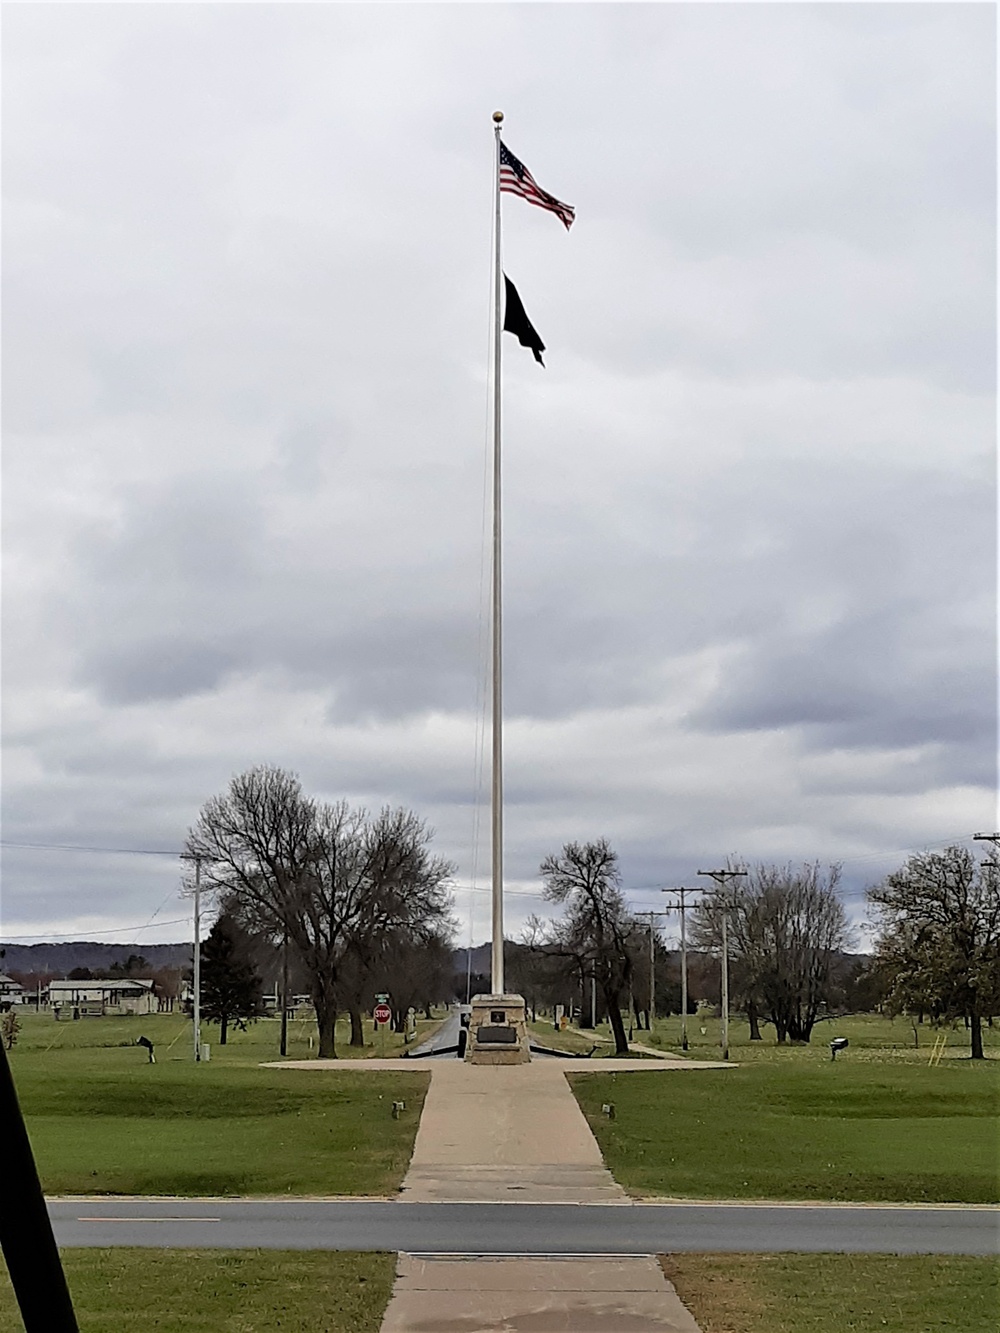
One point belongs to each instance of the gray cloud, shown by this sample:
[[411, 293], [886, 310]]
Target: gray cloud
[[750, 517]]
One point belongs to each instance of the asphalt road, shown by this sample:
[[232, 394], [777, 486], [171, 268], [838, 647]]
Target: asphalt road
[[446, 1035], [459, 1228]]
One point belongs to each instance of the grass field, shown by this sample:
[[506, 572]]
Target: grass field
[[596, 1046], [221, 1291], [871, 1037], [103, 1120], [805, 1130], [172, 1037], [837, 1293]]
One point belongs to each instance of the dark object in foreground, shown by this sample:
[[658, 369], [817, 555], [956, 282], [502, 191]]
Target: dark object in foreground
[[144, 1041], [838, 1044], [29, 1246]]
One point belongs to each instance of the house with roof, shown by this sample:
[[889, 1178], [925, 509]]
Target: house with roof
[[11, 992], [101, 998]]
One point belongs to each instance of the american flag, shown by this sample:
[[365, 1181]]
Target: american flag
[[515, 178]]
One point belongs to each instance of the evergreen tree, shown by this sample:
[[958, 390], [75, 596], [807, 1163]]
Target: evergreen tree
[[230, 987]]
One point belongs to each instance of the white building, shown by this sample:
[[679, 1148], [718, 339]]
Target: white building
[[100, 998], [11, 991]]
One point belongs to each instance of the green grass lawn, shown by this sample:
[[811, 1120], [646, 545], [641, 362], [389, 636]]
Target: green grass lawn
[[221, 1291], [803, 1129], [172, 1036], [871, 1037], [837, 1293], [103, 1120], [575, 1042]]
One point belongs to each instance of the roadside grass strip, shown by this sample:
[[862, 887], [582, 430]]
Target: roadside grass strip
[[802, 1131], [211, 1130], [102, 1120], [837, 1293], [221, 1291]]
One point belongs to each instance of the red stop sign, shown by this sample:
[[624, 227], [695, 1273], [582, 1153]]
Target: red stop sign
[[382, 1013]]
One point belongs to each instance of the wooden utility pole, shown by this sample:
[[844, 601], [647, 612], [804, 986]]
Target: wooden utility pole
[[652, 965], [682, 907], [722, 878]]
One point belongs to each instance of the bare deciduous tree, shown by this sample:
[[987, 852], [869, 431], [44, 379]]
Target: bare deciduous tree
[[787, 927], [325, 874], [597, 930]]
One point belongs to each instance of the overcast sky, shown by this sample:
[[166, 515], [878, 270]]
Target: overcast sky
[[750, 505]]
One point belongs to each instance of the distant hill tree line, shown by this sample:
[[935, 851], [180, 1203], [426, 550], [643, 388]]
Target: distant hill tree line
[[38, 964], [358, 900]]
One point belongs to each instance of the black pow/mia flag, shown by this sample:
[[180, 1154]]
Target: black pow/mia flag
[[516, 321]]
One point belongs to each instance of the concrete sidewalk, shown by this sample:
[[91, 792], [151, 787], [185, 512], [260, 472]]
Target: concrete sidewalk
[[505, 1133], [514, 1133], [568, 1065], [493, 1294]]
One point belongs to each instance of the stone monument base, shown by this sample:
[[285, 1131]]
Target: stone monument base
[[498, 1031]]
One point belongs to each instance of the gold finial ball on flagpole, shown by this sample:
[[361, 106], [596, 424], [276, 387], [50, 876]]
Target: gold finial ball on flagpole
[[498, 117]]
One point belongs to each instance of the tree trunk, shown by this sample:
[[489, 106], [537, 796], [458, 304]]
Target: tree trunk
[[357, 1027], [976, 1029], [222, 1030], [326, 1020], [754, 1022], [617, 1025], [585, 1006]]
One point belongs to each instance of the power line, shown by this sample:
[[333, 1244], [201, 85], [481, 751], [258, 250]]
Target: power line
[[72, 847]]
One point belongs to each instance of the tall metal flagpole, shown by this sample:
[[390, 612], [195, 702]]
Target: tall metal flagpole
[[496, 796]]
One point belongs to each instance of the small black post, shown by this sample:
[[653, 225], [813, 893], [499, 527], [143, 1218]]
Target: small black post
[[29, 1247]]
